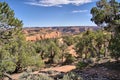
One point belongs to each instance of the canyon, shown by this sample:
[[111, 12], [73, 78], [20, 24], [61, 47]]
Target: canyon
[[40, 33]]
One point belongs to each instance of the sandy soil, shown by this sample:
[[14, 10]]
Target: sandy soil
[[65, 69], [72, 51]]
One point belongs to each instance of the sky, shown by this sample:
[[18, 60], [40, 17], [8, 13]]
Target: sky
[[49, 13]]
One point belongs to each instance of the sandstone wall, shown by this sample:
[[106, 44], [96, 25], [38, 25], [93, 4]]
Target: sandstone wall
[[46, 35]]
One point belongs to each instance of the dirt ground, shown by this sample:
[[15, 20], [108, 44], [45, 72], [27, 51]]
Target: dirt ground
[[106, 69], [64, 69]]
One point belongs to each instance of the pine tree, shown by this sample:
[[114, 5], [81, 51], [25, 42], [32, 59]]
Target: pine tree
[[9, 28], [15, 52]]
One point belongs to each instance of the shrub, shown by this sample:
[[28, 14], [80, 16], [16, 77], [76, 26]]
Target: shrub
[[69, 40], [71, 76], [28, 76], [69, 58], [81, 65]]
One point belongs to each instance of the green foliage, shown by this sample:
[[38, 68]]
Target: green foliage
[[7, 16], [10, 28], [115, 47], [106, 14], [85, 43], [28, 76], [15, 53], [52, 50], [6, 62], [68, 40], [42, 50], [81, 65], [66, 77], [71, 76], [25, 55], [92, 44], [69, 58], [77, 38]]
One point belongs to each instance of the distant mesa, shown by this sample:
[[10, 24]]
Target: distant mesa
[[40, 33]]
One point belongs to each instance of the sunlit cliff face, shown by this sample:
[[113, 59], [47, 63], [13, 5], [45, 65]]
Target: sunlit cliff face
[[46, 35]]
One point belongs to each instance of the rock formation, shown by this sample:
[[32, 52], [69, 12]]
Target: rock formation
[[40, 33], [47, 35]]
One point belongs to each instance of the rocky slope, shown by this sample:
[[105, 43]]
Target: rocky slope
[[36, 37], [39, 33]]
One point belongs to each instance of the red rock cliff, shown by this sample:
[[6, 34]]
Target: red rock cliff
[[47, 35]]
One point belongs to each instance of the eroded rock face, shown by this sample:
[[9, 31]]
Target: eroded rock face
[[47, 35], [39, 33]]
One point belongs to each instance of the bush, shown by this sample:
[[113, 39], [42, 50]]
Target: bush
[[114, 47], [69, 40], [81, 65], [71, 76], [68, 76], [69, 58], [28, 76]]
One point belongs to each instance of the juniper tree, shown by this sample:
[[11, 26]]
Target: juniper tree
[[106, 14], [15, 52], [92, 44]]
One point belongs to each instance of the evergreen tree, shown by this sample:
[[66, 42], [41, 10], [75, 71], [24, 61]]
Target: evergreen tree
[[54, 52], [15, 52], [114, 46], [10, 27], [93, 44], [107, 14]]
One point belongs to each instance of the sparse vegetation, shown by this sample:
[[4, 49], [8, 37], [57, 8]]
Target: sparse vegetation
[[28, 76], [18, 55], [68, 40], [82, 65], [71, 76], [69, 58]]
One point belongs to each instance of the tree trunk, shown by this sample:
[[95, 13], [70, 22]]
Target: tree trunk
[[106, 49], [97, 52], [42, 54], [18, 68], [63, 56], [51, 56], [92, 53], [105, 53]]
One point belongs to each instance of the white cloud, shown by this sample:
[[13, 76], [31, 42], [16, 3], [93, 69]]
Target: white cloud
[[79, 11], [59, 3]]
